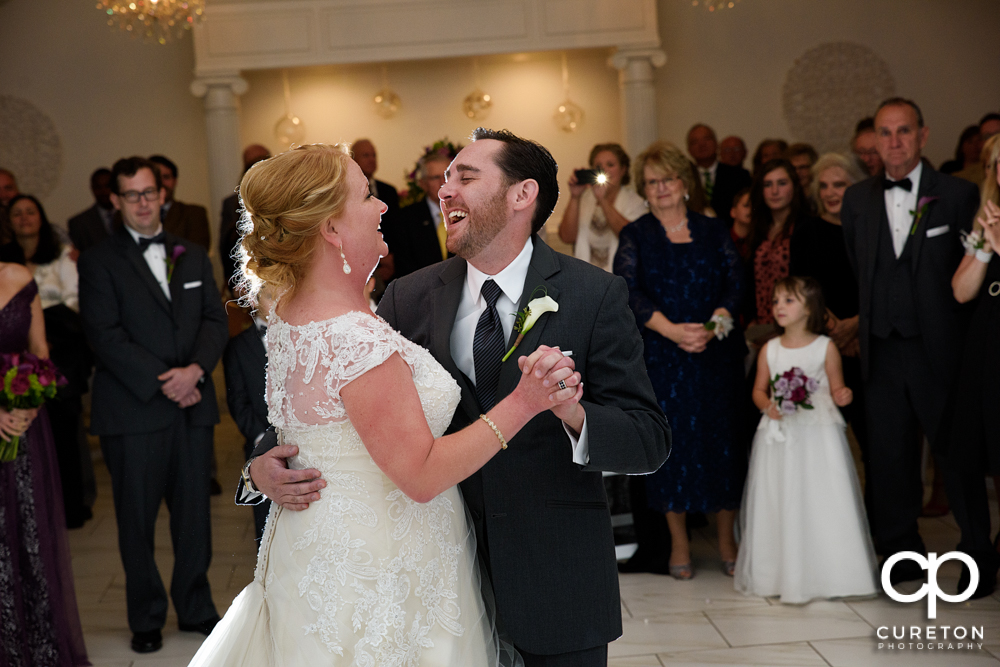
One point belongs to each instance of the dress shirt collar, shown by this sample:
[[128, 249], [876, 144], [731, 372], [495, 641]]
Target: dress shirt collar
[[914, 177], [136, 235], [510, 279]]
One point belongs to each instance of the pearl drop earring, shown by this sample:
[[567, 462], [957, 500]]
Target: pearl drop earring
[[347, 267]]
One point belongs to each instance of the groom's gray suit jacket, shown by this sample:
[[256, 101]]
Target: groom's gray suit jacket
[[542, 521]]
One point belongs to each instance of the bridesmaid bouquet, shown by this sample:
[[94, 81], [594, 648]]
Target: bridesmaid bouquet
[[28, 381], [792, 390]]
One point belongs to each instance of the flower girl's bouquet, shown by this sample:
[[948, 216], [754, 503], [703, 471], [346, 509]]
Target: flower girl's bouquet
[[28, 381], [792, 390]]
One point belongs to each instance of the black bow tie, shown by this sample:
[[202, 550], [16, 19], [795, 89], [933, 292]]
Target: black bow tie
[[144, 242], [906, 184]]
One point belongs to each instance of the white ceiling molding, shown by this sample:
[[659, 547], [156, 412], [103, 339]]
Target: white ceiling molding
[[266, 34]]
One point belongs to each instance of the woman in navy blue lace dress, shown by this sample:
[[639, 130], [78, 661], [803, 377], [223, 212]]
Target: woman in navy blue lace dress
[[682, 269]]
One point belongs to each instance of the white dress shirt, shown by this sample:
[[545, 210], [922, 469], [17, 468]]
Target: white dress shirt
[[435, 209], [156, 259], [898, 206], [702, 171], [511, 282]]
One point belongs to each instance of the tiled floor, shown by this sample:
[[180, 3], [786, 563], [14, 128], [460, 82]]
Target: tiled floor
[[667, 622]]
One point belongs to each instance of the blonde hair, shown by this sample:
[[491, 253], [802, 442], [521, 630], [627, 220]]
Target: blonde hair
[[665, 157], [285, 200], [826, 161], [990, 190]]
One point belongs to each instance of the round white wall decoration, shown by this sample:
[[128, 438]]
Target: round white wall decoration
[[29, 146], [829, 89]]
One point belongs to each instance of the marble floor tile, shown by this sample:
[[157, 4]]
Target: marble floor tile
[[858, 652], [635, 661], [788, 623], [652, 595], [672, 632], [778, 655]]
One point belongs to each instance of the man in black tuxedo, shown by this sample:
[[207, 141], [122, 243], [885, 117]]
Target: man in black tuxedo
[[720, 181], [540, 511], [188, 221], [416, 238], [97, 222], [229, 235], [245, 362], [152, 314], [902, 235]]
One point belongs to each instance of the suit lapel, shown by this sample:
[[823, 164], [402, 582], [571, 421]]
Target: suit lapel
[[138, 262], [444, 304], [879, 220], [176, 283], [542, 267], [928, 185]]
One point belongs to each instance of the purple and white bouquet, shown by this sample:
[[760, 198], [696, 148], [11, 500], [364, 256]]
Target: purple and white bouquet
[[792, 390]]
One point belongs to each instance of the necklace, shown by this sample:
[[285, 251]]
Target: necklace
[[679, 227]]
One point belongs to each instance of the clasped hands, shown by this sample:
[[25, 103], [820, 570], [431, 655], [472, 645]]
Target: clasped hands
[[15, 422], [180, 385]]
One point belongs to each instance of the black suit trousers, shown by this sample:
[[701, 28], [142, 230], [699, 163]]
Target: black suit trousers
[[901, 397], [146, 468]]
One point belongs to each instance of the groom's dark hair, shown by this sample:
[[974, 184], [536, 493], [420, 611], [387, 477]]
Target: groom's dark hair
[[520, 159]]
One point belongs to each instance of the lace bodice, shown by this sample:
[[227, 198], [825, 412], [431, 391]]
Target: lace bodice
[[309, 365]]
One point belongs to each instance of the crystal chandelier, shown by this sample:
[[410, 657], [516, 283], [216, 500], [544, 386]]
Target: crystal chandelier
[[155, 20]]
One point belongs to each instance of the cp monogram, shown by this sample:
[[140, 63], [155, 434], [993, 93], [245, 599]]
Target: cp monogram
[[930, 590]]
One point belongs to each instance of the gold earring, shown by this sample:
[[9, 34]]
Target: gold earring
[[347, 267]]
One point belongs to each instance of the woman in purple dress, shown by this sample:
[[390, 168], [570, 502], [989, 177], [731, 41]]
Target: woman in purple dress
[[38, 614]]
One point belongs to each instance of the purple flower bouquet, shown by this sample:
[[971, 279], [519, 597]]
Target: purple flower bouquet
[[792, 390], [28, 381]]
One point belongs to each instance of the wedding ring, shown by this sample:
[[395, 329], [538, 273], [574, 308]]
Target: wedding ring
[[562, 384]]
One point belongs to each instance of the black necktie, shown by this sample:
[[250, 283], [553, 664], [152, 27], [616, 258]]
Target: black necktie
[[487, 347], [906, 184], [144, 242]]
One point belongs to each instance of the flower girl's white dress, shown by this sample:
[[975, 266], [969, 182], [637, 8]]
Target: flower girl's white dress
[[365, 576], [803, 524]]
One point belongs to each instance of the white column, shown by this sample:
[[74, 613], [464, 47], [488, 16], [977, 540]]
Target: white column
[[637, 96], [222, 124]]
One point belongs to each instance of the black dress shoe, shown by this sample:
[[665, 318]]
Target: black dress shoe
[[147, 642], [987, 581], [906, 570], [205, 627]]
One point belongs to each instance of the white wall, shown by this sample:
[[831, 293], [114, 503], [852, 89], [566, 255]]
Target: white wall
[[728, 68], [109, 95]]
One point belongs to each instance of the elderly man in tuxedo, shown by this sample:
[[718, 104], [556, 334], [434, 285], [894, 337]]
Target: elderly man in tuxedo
[[902, 232], [720, 181], [188, 221], [539, 510], [417, 237], [96, 223], [153, 316]]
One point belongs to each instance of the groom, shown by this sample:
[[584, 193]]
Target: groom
[[539, 508]]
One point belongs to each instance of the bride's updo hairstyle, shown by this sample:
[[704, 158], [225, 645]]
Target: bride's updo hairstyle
[[285, 200]]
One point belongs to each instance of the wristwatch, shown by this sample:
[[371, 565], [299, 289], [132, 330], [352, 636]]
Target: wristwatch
[[245, 474]]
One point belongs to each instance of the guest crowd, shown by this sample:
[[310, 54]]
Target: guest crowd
[[878, 263]]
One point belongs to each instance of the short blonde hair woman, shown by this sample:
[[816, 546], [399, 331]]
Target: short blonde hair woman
[[367, 410]]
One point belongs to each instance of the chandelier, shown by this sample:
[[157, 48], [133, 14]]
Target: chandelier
[[155, 20]]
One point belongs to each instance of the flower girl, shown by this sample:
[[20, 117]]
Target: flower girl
[[805, 534]]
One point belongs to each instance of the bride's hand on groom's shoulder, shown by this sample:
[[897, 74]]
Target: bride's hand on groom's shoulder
[[292, 489], [541, 373]]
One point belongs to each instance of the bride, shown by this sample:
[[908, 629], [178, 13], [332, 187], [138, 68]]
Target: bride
[[381, 570]]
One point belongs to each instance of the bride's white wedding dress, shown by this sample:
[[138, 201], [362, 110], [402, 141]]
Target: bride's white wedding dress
[[365, 576]]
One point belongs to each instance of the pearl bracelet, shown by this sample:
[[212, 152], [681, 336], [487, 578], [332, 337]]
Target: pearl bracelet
[[503, 443]]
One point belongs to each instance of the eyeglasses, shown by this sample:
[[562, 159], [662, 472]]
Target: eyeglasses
[[655, 183], [133, 196]]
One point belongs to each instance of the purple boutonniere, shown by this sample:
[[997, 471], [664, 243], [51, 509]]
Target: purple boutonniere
[[172, 260], [922, 205]]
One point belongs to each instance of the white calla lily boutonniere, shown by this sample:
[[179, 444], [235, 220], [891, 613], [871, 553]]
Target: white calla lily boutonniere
[[527, 318]]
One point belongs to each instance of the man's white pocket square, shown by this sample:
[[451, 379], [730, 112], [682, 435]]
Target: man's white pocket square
[[937, 231], [197, 283]]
